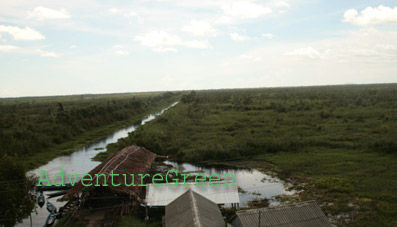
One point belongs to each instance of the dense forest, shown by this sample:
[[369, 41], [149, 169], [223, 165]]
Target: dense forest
[[338, 143], [35, 130]]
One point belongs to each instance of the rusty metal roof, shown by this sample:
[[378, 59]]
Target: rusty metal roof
[[130, 160], [163, 195], [193, 210], [306, 214]]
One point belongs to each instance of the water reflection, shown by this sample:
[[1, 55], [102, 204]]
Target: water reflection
[[254, 184], [79, 162]]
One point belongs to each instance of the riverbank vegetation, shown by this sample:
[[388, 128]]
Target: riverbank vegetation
[[337, 143], [34, 130], [16, 192], [38, 129]]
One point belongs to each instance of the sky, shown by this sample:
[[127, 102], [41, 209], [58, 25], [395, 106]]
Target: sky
[[97, 46]]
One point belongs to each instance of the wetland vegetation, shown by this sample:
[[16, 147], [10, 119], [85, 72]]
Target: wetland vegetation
[[336, 144], [34, 130]]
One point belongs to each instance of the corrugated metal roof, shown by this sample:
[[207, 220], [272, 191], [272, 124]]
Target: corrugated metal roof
[[306, 214], [163, 195], [193, 210]]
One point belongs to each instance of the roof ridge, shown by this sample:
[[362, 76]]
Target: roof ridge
[[195, 211]]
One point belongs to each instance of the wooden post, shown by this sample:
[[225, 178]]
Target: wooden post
[[30, 219], [147, 213], [259, 214]]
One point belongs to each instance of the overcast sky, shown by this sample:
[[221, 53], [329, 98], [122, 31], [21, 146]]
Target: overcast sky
[[97, 46]]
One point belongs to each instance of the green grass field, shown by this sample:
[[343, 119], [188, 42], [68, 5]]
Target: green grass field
[[338, 143]]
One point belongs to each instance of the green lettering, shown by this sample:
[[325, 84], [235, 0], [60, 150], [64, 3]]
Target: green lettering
[[83, 179], [203, 178], [46, 177], [143, 177], [185, 176], [111, 175], [158, 179], [214, 177], [132, 181], [225, 176], [58, 174], [175, 180], [70, 179], [97, 179]]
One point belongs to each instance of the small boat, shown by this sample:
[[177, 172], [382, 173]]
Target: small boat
[[50, 220], [55, 194], [51, 208], [54, 188], [41, 200]]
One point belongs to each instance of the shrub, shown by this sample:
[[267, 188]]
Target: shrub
[[334, 184]]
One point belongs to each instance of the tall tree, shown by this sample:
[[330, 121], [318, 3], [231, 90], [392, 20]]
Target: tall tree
[[16, 193]]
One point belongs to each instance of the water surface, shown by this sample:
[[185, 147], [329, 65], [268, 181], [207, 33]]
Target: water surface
[[78, 162], [253, 184]]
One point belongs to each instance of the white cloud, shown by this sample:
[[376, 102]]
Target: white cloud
[[130, 14], [305, 52], [47, 53], [282, 7], [127, 14], [244, 9], [197, 44], [237, 37], [8, 48], [43, 13], [161, 41], [371, 16], [21, 33], [135, 15], [250, 58], [224, 20], [158, 39], [114, 10], [72, 47], [164, 49], [121, 52], [268, 35], [199, 28]]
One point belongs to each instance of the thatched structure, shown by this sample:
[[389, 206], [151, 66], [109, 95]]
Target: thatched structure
[[130, 160]]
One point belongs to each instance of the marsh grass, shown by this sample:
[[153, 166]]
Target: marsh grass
[[337, 141]]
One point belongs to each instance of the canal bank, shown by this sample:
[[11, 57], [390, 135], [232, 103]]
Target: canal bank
[[80, 161], [253, 185]]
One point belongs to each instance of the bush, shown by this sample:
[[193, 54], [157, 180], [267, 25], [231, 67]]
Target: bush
[[335, 184], [388, 147]]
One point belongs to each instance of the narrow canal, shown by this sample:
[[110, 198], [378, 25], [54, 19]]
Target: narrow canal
[[79, 162], [252, 183]]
